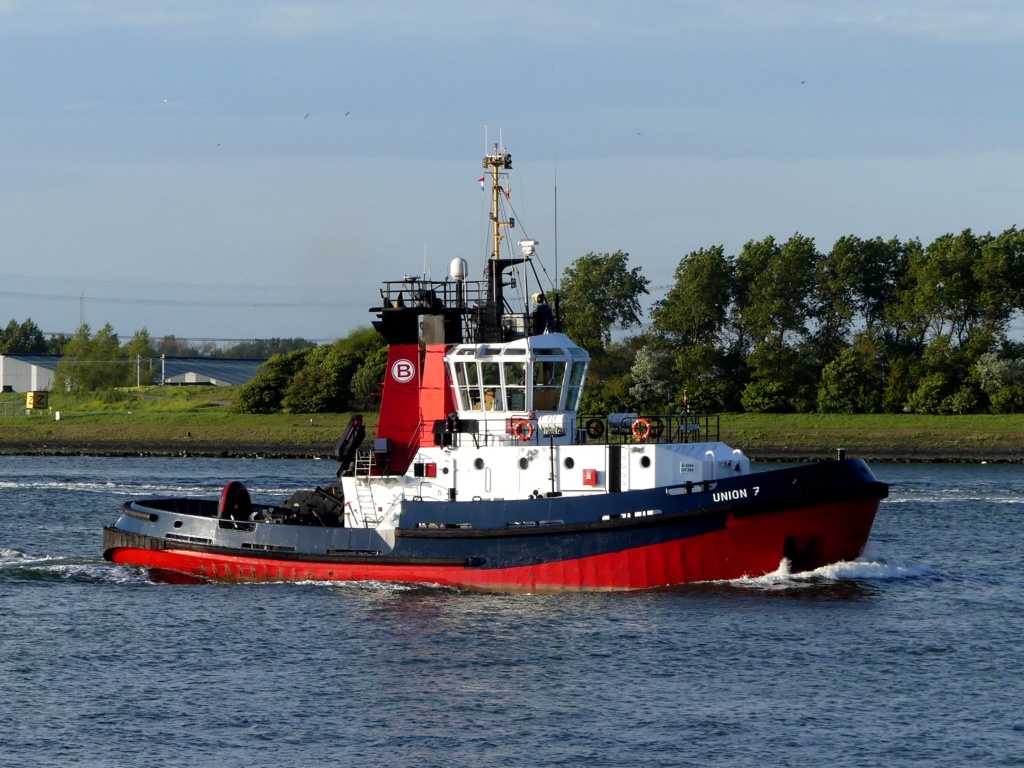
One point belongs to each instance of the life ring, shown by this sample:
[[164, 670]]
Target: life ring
[[657, 427], [523, 430], [595, 429], [641, 429]]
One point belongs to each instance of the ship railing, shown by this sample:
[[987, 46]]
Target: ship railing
[[428, 294], [480, 433], [594, 429], [631, 428]]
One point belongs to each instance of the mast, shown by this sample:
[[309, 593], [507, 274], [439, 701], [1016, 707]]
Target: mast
[[491, 328]]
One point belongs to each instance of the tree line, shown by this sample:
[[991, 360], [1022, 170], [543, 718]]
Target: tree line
[[870, 326], [27, 338], [97, 361]]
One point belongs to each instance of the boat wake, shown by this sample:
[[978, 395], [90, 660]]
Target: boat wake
[[871, 566], [17, 566], [134, 488]]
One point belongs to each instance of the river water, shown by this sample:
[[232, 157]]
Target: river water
[[909, 657]]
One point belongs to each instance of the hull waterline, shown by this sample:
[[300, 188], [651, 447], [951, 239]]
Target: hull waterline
[[746, 547]]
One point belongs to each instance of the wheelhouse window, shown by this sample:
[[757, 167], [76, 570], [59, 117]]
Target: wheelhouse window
[[467, 378], [490, 377], [575, 388], [548, 377], [515, 385], [503, 379]]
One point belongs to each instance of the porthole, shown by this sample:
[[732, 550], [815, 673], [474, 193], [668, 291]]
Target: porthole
[[524, 463], [444, 470], [645, 461], [569, 463], [177, 523], [478, 463]]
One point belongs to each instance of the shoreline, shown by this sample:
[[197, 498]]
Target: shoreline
[[215, 449]]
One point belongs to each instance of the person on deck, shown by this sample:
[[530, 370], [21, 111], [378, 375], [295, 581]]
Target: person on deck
[[543, 317]]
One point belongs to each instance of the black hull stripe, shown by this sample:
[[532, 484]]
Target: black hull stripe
[[743, 509]]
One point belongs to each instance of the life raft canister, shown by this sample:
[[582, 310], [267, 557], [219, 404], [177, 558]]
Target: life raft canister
[[641, 428], [523, 430]]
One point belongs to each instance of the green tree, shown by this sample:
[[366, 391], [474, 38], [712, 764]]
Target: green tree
[[321, 384], [692, 324], [853, 382], [56, 343], [609, 378], [93, 362], [368, 379], [265, 391], [599, 292], [652, 379], [140, 353], [172, 346], [695, 308], [777, 282], [24, 337], [774, 300], [779, 381]]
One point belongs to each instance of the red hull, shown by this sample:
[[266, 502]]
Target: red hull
[[748, 546]]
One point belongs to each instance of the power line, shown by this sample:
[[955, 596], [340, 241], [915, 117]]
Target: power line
[[176, 302], [149, 284]]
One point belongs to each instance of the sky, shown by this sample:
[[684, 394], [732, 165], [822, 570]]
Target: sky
[[238, 170]]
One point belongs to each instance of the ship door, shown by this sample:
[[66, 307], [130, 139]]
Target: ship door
[[614, 468]]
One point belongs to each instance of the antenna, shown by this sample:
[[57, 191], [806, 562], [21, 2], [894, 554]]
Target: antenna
[[554, 163], [557, 275], [426, 269]]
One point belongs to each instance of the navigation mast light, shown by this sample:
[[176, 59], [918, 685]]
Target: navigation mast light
[[528, 247]]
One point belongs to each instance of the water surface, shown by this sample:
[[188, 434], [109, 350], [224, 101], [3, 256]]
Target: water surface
[[908, 657]]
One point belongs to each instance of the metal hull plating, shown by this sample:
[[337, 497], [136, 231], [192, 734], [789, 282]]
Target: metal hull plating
[[710, 535]]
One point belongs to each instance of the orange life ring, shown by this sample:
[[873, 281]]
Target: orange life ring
[[641, 429], [523, 430]]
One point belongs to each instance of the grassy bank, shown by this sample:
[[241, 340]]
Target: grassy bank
[[200, 421], [882, 437], [163, 421]]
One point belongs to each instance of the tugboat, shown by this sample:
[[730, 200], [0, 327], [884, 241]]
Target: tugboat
[[484, 475]]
